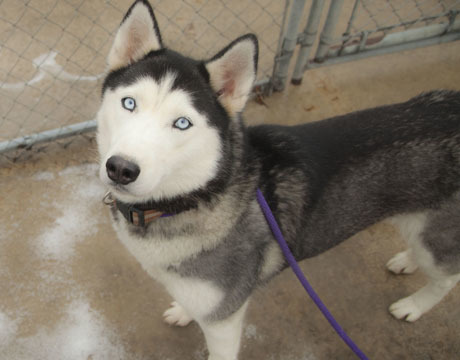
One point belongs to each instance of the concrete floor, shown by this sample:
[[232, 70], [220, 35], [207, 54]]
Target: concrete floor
[[69, 290]]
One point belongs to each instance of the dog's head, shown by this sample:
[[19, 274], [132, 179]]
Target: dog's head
[[164, 118]]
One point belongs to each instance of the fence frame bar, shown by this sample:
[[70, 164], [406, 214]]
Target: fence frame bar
[[282, 60], [28, 141], [385, 50], [307, 39], [405, 40], [327, 34]]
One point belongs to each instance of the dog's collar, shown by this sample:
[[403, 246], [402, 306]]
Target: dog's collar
[[136, 214]]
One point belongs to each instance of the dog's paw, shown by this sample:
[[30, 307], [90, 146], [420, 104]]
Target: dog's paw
[[402, 263], [176, 315], [406, 309]]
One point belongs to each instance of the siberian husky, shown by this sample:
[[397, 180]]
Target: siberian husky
[[182, 170]]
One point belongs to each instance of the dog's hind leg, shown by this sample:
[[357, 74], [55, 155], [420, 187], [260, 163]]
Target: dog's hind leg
[[409, 226], [434, 243], [223, 337]]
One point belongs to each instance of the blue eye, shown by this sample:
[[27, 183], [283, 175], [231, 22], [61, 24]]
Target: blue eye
[[128, 103], [182, 123]]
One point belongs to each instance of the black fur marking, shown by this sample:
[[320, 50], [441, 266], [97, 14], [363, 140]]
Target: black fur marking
[[365, 166], [192, 79]]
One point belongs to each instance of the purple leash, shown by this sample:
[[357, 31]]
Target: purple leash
[[295, 267]]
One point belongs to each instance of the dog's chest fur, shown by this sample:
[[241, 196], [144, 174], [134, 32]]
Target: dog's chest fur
[[222, 252], [169, 241], [161, 253]]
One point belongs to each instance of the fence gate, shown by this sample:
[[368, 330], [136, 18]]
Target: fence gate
[[53, 52], [354, 29]]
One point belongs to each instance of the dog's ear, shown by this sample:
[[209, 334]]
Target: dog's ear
[[232, 72], [137, 35]]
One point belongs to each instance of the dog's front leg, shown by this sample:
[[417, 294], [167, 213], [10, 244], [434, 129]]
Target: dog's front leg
[[223, 337]]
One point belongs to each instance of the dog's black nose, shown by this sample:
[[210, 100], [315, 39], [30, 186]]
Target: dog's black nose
[[122, 171]]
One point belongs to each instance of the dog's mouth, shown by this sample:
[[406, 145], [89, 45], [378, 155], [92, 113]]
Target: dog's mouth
[[124, 193], [121, 192], [118, 187]]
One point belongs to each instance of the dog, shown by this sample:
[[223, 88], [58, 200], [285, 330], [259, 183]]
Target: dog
[[182, 170]]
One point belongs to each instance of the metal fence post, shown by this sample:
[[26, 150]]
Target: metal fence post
[[307, 40], [26, 142], [287, 49], [327, 35]]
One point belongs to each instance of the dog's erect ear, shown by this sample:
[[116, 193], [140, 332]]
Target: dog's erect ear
[[232, 72], [137, 35]]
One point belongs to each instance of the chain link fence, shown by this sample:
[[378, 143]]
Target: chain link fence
[[377, 24], [355, 29], [53, 52], [389, 16], [53, 56]]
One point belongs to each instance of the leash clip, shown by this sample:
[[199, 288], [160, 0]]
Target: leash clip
[[108, 199]]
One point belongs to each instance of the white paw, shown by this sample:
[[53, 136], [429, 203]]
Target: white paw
[[176, 315], [402, 263], [406, 309]]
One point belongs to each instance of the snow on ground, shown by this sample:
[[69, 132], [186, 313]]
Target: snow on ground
[[44, 176], [80, 335], [76, 220], [8, 329], [250, 332], [80, 332]]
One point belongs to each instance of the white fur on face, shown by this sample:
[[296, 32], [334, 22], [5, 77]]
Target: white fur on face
[[172, 161]]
